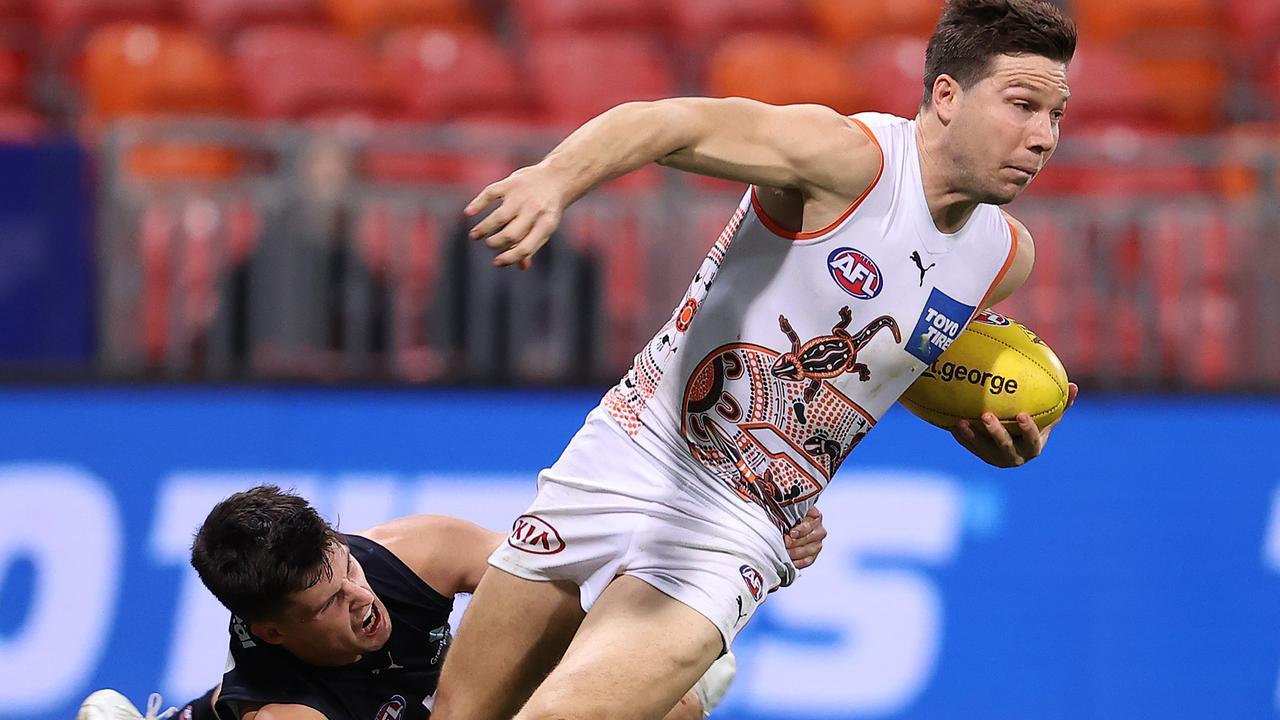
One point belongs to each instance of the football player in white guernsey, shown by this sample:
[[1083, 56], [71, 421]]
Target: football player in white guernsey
[[864, 246]]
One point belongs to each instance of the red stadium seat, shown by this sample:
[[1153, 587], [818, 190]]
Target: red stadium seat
[[446, 74], [64, 20], [221, 18], [891, 73], [579, 76], [783, 70], [361, 18], [1109, 87], [708, 21], [1255, 27], [13, 75], [133, 68], [538, 17], [294, 72], [19, 124], [843, 21]]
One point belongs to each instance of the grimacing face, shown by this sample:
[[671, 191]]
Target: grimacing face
[[1005, 126], [336, 621]]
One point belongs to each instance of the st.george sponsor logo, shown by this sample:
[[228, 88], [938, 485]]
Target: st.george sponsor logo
[[855, 273], [392, 709], [940, 323], [949, 372], [532, 534], [754, 581]]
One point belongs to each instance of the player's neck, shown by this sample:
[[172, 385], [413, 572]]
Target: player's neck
[[949, 206]]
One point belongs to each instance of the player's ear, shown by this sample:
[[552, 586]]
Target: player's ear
[[946, 95], [267, 631]]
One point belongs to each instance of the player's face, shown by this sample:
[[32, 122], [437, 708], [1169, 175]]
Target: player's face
[[338, 620], [1006, 125]]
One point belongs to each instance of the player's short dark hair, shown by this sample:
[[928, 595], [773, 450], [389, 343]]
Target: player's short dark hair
[[971, 33], [259, 546]]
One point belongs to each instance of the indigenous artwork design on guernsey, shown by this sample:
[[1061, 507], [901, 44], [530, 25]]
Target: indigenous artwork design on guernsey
[[771, 425]]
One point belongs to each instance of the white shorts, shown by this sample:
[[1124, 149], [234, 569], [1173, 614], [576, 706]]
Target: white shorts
[[604, 509]]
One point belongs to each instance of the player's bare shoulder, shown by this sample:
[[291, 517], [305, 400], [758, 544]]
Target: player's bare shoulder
[[449, 554], [833, 153]]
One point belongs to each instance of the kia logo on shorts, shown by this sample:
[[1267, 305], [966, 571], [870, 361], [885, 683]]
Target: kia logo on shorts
[[532, 534], [754, 581], [392, 709], [855, 273]]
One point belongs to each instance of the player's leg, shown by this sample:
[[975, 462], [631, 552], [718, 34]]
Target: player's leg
[[513, 632], [636, 654], [702, 700]]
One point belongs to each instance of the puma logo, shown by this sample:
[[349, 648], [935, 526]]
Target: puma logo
[[915, 257]]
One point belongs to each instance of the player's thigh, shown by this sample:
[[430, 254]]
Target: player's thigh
[[637, 653], [511, 635]]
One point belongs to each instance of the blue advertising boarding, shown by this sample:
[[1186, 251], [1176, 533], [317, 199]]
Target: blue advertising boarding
[[1132, 572]]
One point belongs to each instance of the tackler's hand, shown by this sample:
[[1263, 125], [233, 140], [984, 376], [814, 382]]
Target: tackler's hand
[[530, 201], [804, 541], [996, 445]]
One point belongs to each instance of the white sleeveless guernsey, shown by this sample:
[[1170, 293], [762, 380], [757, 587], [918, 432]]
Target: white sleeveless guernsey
[[788, 347]]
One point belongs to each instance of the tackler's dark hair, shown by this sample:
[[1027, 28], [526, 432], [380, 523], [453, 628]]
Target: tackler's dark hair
[[259, 546]]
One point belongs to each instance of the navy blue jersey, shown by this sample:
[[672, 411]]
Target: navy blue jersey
[[394, 683]]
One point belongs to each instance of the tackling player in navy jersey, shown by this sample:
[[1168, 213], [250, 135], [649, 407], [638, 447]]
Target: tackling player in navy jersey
[[347, 627]]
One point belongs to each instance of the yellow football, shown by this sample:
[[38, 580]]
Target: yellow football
[[997, 365]]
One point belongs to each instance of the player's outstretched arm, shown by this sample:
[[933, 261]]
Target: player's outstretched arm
[[807, 148]]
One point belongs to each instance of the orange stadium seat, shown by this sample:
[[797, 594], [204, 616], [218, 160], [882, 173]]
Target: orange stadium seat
[[447, 74], [537, 17], [1101, 20], [891, 73], [63, 20], [579, 76], [362, 18], [136, 68], [783, 70], [221, 18], [843, 21], [1188, 90], [295, 72], [709, 21]]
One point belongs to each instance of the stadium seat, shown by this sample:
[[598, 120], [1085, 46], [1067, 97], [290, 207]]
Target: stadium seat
[[362, 18], [578, 76], [537, 17], [1109, 87], [19, 124], [13, 75], [63, 21], [1189, 90], [843, 21], [134, 68], [447, 74], [294, 72], [783, 70], [1254, 26], [890, 71], [1103, 20], [222, 18], [707, 22]]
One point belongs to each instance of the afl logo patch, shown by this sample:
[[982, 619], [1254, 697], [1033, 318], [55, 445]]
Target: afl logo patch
[[855, 273], [991, 317], [392, 709], [754, 581], [532, 534]]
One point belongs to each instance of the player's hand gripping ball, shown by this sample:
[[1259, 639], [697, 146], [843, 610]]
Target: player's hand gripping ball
[[996, 365]]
